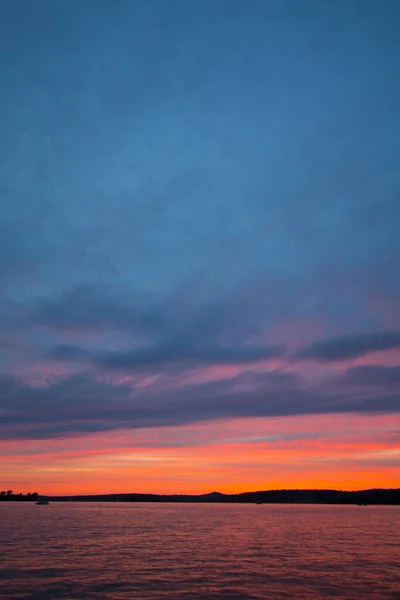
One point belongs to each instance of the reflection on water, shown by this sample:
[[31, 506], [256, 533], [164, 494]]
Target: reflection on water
[[214, 552]]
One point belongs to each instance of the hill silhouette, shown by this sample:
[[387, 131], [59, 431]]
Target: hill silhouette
[[371, 496]]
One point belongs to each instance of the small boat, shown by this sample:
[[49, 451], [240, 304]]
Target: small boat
[[42, 502]]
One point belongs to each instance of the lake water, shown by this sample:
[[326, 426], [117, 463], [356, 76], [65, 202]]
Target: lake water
[[157, 551]]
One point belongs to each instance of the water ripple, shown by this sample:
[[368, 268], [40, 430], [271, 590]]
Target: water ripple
[[194, 552]]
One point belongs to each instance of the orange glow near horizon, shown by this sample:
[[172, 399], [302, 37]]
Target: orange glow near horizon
[[330, 451]]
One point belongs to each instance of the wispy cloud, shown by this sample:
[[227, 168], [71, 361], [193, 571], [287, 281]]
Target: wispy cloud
[[350, 346], [83, 403]]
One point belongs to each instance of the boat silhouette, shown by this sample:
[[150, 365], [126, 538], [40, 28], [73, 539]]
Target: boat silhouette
[[42, 502]]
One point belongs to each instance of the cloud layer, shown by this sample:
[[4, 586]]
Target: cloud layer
[[84, 403], [351, 346]]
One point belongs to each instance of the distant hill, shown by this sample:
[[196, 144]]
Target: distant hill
[[373, 496]]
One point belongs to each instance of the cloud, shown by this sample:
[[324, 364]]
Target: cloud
[[372, 375], [6, 345], [81, 403], [66, 352], [97, 306], [180, 353], [350, 346], [163, 332], [184, 353]]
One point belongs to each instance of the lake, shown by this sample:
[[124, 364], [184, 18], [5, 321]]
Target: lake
[[120, 551]]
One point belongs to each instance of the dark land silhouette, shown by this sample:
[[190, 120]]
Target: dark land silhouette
[[372, 496], [9, 496]]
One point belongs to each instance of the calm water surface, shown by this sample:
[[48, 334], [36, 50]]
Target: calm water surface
[[156, 551]]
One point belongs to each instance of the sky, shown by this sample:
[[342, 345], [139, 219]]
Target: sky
[[199, 245]]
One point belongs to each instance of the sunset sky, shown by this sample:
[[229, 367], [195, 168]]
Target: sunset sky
[[199, 245]]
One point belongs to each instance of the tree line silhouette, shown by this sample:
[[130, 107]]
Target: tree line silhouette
[[9, 496], [362, 497]]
